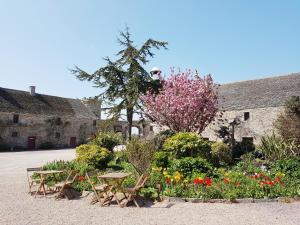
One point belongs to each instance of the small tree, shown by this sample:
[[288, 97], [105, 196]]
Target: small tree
[[140, 154], [186, 102], [288, 122]]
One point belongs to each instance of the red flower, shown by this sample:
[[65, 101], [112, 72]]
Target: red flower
[[208, 181], [271, 183], [198, 181], [81, 178], [237, 184], [168, 181]]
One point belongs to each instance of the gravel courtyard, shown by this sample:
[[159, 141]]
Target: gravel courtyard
[[17, 207]]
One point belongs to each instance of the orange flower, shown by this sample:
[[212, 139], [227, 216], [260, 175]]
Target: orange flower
[[226, 180]]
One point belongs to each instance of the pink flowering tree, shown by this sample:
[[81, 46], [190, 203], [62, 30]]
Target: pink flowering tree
[[186, 102]]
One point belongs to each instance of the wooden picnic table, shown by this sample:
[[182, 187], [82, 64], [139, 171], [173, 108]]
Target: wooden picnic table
[[114, 181], [43, 175]]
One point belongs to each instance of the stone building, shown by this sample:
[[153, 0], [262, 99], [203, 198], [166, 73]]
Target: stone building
[[254, 105], [144, 129], [29, 119]]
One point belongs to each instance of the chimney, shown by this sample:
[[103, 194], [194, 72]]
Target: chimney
[[32, 90]]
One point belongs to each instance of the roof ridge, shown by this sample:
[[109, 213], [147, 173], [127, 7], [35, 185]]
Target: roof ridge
[[27, 92], [264, 78]]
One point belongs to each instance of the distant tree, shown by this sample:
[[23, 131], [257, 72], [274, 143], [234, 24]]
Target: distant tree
[[186, 102], [224, 133], [124, 79]]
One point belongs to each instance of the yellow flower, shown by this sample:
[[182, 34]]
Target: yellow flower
[[165, 173], [177, 176], [177, 173], [280, 174]]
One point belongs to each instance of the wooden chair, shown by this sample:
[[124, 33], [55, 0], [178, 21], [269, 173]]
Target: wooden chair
[[99, 190], [133, 193], [32, 181], [61, 187]]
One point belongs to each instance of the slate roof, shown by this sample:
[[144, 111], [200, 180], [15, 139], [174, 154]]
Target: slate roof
[[23, 102], [267, 92]]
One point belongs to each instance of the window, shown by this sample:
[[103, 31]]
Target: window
[[58, 121], [16, 118], [94, 123], [151, 128], [118, 128], [57, 135], [14, 134], [247, 139], [246, 116]]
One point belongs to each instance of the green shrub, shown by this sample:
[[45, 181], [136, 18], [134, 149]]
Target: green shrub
[[107, 140], [161, 159], [221, 153], [93, 155], [188, 165], [46, 145], [289, 169], [247, 166], [150, 193], [4, 147], [140, 154], [67, 166], [187, 144], [275, 148], [241, 148]]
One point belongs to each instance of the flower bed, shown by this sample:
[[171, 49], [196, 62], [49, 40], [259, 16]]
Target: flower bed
[[230, 185]]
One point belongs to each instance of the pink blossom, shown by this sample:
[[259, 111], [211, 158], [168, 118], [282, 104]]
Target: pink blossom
[[186, 102]]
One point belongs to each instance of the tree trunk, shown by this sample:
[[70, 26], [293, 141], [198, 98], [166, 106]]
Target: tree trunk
[[129, 120]]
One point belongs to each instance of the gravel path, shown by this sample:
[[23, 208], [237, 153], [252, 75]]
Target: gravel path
[[17, 207]]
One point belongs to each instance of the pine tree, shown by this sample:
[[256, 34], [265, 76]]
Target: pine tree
[[124, 79]]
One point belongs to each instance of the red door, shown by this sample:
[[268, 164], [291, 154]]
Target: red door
[[73, 142], [31, 142]]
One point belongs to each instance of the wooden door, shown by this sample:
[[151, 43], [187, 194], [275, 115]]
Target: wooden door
[[31, 142], [73, 142]]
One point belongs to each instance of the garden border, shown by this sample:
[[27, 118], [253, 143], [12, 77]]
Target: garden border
[[242, 200]]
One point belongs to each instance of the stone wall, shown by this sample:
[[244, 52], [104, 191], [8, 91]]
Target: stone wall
[[259, 123], [57, 130], [146, 129]]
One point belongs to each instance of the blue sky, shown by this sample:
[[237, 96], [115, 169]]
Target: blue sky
[[232, 40]]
